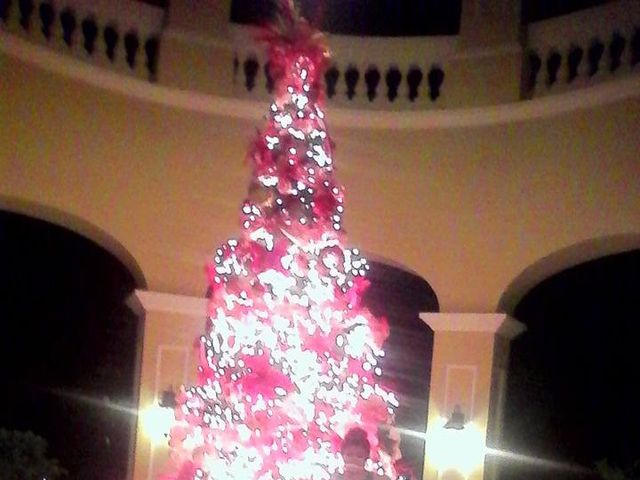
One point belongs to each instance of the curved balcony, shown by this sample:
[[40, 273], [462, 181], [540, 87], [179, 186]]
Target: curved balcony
[[366, 72], [492, 61], [583, 48], [123, 35]]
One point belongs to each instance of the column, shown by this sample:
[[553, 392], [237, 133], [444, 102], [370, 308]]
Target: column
[[168, 359], [197, 53], [468, 375], [487, 66], [489, 23]]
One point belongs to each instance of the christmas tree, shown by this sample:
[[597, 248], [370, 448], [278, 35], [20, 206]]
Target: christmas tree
[[290, 361]]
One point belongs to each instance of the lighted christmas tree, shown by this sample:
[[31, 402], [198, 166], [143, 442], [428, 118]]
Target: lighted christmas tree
[[290, 361]]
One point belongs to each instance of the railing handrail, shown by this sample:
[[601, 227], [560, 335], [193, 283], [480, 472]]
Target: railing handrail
[[601, 94], [380, 73], [121, 33]]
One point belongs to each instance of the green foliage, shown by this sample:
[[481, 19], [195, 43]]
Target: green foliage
[[606, 471], [23, 456]]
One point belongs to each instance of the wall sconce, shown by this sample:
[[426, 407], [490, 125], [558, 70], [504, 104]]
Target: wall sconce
[[158, 418], [456, 444], [168, 398], [457, 420]]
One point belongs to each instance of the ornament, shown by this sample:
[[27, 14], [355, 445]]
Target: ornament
[[288, 362], [260, 195]]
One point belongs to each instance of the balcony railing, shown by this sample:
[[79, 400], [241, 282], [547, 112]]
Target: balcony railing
[[122, 34], [381, 73], [583, 48], [390, 72]]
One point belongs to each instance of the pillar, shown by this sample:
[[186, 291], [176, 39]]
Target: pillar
[[168, 359], [489, 23], [469, 371], [487, 66], [197, 53]]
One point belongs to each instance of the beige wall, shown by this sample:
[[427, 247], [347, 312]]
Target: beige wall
[[169, 360], [468, 208]]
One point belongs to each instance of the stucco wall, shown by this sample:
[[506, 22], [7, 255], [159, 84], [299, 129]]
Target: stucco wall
[[468, 208]]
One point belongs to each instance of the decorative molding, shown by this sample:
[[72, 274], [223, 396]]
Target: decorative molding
[[185, 367], [145, 301], [449, 408], [157, 387], [464, 322], [511, 328], [498, 323], [604, 93]]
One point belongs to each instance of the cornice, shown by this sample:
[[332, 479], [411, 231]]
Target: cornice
[[142, 301], [496, 323]]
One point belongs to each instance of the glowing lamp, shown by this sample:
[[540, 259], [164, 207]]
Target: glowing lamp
[[158, 418], [457, 420], [453, 444]]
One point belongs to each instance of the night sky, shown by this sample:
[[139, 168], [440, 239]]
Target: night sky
[[396, 17], [365, 17]]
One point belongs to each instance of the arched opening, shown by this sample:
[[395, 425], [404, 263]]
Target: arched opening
[[561, 260], [69, 345], [401, 296], [79, 226], [572, 393]]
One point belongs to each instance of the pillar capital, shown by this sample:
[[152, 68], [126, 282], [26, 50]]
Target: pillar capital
[[142, 301], [498, 323]]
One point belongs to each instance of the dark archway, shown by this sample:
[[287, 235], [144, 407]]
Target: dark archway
[[401, 296], [68, 345], [572, 390]]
